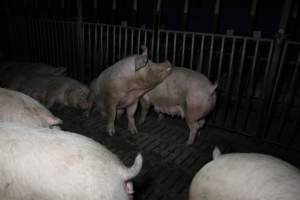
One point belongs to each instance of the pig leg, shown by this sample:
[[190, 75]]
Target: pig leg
[[160, 117], [111, 116], [130, 116], [193, 123], [145, 103]]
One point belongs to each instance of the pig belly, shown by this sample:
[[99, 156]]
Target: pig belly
[[175, 110], [130, 98]]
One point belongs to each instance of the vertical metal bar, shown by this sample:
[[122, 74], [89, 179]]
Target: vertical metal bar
[[95, 49], [63, 41], [253, 15], [211, 50], [285, 15], [47, 31], [250, 86], [139, 41], [145, 38], [289, 99], [57, 49], [166, 45], [158, 45], [107, 47], [221, 59], [274, 92], [131, 40], [200, 63], [101, 47], [192, 51], [152, 45], [53, 48], [89, 54], [80, 40], [216, 16], [120, 41], [183, 50], [227, 91], [125, 42], [114, 44], [134, 13], [185, 15], [174, 49], [237, 93]]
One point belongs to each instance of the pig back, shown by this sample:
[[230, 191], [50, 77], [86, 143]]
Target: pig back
[[246, 176], [58, 165], [19, 108]]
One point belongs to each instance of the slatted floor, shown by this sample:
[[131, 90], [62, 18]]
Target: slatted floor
[[169, 164]]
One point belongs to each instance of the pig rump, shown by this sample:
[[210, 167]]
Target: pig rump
[[246, 176], [56, 165]]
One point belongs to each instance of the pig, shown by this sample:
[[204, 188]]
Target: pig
[[245, 176], [121, 85], [19, 108], [48, 164], [51, 89], [13, 74], [185, 93]]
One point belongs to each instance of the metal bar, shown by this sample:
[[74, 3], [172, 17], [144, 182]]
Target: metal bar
[[285, 15], [174, 48], [125, 42], [63, 41], [274, 93], [57, 45], [89, 54], [145, 38], [211, 50], [227, 90], [95, 49], [199, 67], [107, 47], [182, 52], [158, 45], [114, 44], [253, 16], [152, 46], [47, 33], [192, 51], [131, 40], [138, 41], [101, 47], [289, 99], [241, 68], [120, 41], [216, 16], [166, 45], [221, 59], [250, 86]]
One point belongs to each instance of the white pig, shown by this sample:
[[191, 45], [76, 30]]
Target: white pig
[[19, 108], [185, 93], [246, 176], [121, 85], [48, 164]]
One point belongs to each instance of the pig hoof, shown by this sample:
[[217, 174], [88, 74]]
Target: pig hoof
[[111, 131], [133, 130]]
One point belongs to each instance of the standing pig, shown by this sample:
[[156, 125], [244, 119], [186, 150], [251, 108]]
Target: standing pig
[[16, 107], [120, 86], [184, 93], [246, 176], [48, 164], [57, 89]]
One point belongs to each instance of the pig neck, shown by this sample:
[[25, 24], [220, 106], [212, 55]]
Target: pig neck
[[143, 83]]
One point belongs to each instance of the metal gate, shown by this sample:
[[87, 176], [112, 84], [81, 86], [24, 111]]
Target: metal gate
[[258, 93]]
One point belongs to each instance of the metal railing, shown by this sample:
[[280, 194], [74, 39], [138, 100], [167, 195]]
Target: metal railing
[[258, 77]]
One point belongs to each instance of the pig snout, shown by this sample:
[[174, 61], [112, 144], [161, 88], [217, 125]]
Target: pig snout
[[129, 189]]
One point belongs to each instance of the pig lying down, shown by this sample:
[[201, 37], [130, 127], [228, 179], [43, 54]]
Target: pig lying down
[[19, 108], [246, 176], [121, 85], [185, 93], [51, 89], [14, 73], [51, 164]]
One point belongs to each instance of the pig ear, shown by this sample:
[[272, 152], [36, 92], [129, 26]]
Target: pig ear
[[214, 87], [140, 62]]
